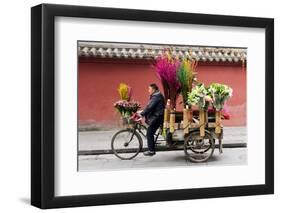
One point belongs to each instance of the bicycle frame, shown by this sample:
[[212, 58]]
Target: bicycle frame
[[138, 126]]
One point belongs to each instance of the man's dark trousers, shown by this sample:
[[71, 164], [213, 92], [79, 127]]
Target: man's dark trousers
[[152, 128]]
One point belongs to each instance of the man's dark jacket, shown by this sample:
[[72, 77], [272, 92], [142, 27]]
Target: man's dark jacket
[[154, 109]]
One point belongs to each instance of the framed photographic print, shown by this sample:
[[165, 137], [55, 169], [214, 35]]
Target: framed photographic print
[[141, 106]]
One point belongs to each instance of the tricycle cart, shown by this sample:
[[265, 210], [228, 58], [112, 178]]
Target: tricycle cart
[[196, 132]]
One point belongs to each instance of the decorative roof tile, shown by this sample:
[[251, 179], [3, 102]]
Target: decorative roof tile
[[151, 51]]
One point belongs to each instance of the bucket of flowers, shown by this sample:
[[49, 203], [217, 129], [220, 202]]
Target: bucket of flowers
[[125, 106], [199, 98], [219, 93]]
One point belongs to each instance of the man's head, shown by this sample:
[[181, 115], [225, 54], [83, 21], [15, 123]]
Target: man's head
[[152, 88]]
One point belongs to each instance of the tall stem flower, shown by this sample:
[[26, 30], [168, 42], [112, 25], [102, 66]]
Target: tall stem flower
[[166, 69], [185, 75]]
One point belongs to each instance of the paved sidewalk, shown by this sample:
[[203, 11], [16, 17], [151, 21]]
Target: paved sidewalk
[[100, 140], [230, 156]]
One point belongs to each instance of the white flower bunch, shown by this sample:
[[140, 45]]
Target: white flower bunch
[[219, 93], [197, 96]]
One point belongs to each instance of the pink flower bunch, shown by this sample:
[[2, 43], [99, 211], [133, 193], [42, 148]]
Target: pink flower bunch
[[126, 108], [166, 69]]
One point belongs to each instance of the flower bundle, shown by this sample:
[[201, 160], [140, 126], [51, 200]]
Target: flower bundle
[[127, 108], [219, 94], [185, 75], [198, 97], [125, 91], [166, 69]]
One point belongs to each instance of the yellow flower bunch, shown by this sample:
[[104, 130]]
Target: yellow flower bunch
[[124, 91]]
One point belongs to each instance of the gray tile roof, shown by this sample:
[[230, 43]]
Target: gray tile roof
[[150, 51]]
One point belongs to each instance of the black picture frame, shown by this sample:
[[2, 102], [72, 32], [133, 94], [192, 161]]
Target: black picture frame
[[43, 102]]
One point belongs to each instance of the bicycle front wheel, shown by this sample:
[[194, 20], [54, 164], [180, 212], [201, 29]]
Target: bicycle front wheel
[[126, 144]]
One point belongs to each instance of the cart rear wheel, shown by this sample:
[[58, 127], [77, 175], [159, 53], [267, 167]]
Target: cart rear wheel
[[197, 148]]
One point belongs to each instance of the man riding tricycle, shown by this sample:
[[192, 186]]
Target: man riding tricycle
[[199, 129]]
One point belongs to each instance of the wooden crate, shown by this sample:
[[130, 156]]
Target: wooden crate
[[174, 120]]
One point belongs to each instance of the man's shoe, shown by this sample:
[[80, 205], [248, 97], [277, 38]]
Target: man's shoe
[[149, 153]]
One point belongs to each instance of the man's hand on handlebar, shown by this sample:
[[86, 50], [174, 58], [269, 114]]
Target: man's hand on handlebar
[[136, 116], [139, 113]]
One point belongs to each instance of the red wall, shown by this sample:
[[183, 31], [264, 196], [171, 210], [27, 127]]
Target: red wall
[[99, 79]]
